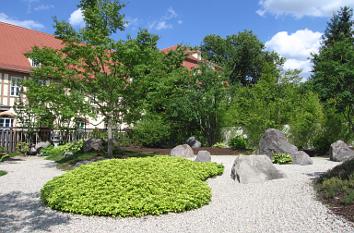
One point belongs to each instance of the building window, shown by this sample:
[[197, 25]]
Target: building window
[[34, 63], [80, 123], [6, 122], [15, 86]]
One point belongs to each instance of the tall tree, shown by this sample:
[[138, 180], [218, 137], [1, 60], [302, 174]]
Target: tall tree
[[101, 69], [243, 56], [339, 27], [333, 75]]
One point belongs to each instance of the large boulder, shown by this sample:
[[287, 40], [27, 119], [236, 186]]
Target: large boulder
[[41, 145], [301, 158], [340, 151], [203, 156], [274, 141], [193, 142], [254, 169], [93, 145], [182, 151]]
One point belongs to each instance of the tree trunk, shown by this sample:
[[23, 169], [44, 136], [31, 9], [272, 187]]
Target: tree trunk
[[109, 138]]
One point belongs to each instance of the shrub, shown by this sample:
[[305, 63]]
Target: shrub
[[59, 150], [2, 149], [338, 184], [4, 157], [2, 173], [132, 187], [22, 147], [220, 145], [151, 131], [282, 158], [239, 143]]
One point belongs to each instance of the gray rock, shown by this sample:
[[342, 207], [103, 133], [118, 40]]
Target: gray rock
[[302, 158], [68, 154], [93, 145], [32, 151], [274, 141], [193, 142], [203, 156], [340, 151], [254, 169], [183, 151], [78, 164], [41, 145]]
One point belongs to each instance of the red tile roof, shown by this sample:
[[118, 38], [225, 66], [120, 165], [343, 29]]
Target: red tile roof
[[15, 41], [190, 62]]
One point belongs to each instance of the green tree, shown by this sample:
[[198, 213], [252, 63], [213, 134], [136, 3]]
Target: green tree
[[97, 67], [333, 76], [242, 56], [273, 103], [192, 100]]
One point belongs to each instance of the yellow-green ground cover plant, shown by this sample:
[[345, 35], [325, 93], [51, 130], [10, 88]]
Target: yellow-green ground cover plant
[[132, 187]]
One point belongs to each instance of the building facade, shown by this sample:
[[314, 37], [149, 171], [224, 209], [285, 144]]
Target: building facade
[[15, 42]]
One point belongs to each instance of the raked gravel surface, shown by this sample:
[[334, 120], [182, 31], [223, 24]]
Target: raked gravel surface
[[286, 205]]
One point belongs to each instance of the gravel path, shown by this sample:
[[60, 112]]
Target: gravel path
[[285, 205]]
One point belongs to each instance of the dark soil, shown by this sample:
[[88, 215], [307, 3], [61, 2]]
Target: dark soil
[[346, 211], [166, 151]]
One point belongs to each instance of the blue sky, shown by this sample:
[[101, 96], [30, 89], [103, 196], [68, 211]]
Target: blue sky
[[291, 27]]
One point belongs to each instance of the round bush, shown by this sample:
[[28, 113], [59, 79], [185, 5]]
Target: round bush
[[132, 187]]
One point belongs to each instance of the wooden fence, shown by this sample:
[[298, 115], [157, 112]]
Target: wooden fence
[[9, 137]]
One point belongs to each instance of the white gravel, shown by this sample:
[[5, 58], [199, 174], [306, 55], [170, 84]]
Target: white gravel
[[285, 205]]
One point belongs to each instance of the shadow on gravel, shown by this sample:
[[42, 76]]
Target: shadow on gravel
[[24, 212], [314, 175]]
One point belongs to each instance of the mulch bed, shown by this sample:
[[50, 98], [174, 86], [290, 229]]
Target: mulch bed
[[338, 208], [166, 151]]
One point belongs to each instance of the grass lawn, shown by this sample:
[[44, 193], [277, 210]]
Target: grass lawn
[[336, 188], [132, 187], [2, 173]]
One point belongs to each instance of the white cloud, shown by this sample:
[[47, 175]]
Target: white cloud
[[131, 23], [77, 18], [31, 24], [296, 48], [171, 14], [161, 25], [166, 21], [301, 8], [43, 7]]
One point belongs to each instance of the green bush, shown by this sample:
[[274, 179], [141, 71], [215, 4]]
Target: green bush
[[22, 147], [4, 157], [132, 187], [338, 183], [239, 143], [282, 158], [151, 131], [2, 173], [60, 150]]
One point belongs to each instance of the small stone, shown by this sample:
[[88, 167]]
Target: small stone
[[203, 156]]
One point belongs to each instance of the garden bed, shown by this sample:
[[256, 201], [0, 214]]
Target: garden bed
[[164, 151], [336, 189]]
